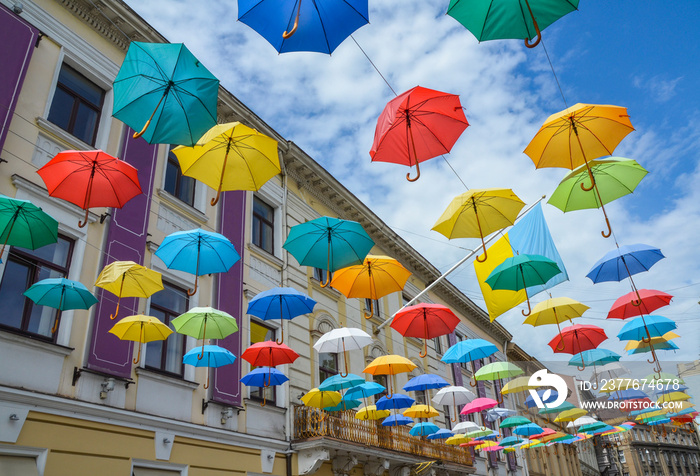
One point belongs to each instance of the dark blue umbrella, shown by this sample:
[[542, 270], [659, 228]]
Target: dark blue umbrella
[[338, 382], [280, 303], [61, 294], [309, 25], [645, 327], [425, 382], [624, 262], [468, 350], [396, 402], [397, 420], [264, 377], [530, 402], [198, 252], [441, 434]]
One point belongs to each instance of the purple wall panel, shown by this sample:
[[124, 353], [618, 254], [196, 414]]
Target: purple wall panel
[[17, 38], [126, 241], [226, 387]]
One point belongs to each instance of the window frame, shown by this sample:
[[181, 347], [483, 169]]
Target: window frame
[[256, 393], [171, 159], [258, 222], [327, 370], [165, 344], [375, 306]]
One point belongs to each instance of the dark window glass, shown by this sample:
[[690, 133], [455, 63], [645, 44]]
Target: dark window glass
[[166, 356], [263, 225], [321, 274], [374, 303], [438, 345], [327, 365], [259, 332], [24, 268], [381, 380], [176, 184], [76, 105]]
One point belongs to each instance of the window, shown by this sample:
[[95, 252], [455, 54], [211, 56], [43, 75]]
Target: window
[[77, 105], [448, 418], [438, 345], [263, 225], [259, 332], [460, 338], [166, 356], [373, 304], [176, 184], [621, 456], [381, 380], [421, 397], [24, 268], [327, 365], [321, 274]]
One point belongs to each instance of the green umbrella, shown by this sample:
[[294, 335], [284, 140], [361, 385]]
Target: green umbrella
[[205, 322], [61, 294], [497, 371], [514, 421], [24, 224], [563, 407], [520, 272], [516, 19], [168, 83]]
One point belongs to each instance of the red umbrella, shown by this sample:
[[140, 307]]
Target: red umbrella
[[425, 321], [418, 125], [269, 354], [577, 338], [477, 405], [90, 179], [651, 300]]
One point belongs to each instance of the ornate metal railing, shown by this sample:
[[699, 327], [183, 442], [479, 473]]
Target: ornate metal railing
[[313, 423]]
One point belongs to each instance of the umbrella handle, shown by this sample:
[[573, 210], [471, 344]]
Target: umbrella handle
[[192, 292], [138, 356], [413, 143], [345, 358], [148, 122], [264, 402], [424, 352], [81, 224], [204, 337], [485, 256], [537, 29], [215, 200], [500, 399], [119, 298], [58, 313], [206, 384], [529, 309], [371, 310], [279, 342], [408, 175], [472, 384], [286, 34], [561, 339]]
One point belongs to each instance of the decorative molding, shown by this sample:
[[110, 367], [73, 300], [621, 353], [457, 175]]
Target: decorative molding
[[36, 344], [311, 459], [177, 382], [263, 272], [343, 463], [376, 467], [39, 454], [188, 212], [323, 323], [33, 189]]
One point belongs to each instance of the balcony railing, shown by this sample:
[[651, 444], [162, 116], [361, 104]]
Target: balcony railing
[[343, 426]]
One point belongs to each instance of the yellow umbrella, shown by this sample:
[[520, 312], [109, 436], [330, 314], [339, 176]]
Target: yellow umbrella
[[421, 411], [457, 439], [577, 135], [316, 398], [640, 344], [485, 444], [570, 415], [552, 436], [389, 365], [479, 212], [530, 444], [140, 329], [376, 277], [555, 311], [370, 412], [673, 397], [230, 157], [518, 384], [128, 279]]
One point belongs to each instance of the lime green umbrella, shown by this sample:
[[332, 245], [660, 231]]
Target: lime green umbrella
[[561, 408], [24, 224], [205, 322], [497, 371]]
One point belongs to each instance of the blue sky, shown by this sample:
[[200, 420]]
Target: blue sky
[[640, 55]]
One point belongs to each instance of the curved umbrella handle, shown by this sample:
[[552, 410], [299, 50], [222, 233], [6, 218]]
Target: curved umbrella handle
[[81, 224], [215, 200], [148, 122], [345, 358], [424, 352], [286, 34], [485, 257], [55, 322], [473, 385], [192, 292], [529, 309], [204, 337], [371, 310], [279, 342], [537, 29], [206, 384], [500, 400], [264, 402], [408, 175], [561, 338], [138, 356]]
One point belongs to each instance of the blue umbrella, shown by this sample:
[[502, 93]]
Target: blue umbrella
[[396, 402], [338, 382], [528, 430], [328, 243], [645, 327], [364, 390], [468, 350], [530, 402], [670, 389], [629, 394], [397, 420], [424, 429], [311, 25], [344, 405], [511, 441], [491, 436], [424, 382], [211, 356], [198, 252], [594, 357], [61, 294], [280, 303], [441, 434], [623, 262], [264, 377], [660, 346]]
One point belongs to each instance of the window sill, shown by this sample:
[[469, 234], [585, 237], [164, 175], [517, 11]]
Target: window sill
[[67, 138], [328, 291], [265, 255], [270, 407], [166, 379], [38, 344], [182, 207]]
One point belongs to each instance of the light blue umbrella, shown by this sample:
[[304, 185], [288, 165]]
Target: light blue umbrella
[[397, 420], [468, 350], [511, 441], [528, 430], [396, 402], [441, 434], [629, 394], [659, 346], [61, 294], [344, 405], [211, 356], [424, 429], [496, 413], [623, 262], [644, 327], [338, 382], [280, 303], [594, 357], [364, 390], [198, 252]]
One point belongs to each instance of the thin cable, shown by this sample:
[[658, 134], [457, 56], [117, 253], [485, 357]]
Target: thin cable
[[454, 171], [373, 65], [566, 105]]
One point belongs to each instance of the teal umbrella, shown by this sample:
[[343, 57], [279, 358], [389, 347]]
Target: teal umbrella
[[514, 421], [165, 81], [214, 356], [24, 224], [61, 294], [328, 243]]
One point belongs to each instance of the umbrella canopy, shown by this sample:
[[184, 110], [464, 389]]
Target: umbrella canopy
[[555, 311], [592, 426], [397, 420], [497, 371], [465, 427], [90, 179], [312, 25], [269, 354], [623, 262], [280, 303], [477, 405], [673, 397], [316, 398], [421, 411], [165, 81], [208, 356], [230, 157], [344, 405], [651, 300], [370, 412], [522, 19], [425, 321], [205, 322], [25, 225], [658, 342], [417, 125], [140, 329], [468, 350], [664, 378], [652, 347], [578, 338], [571, 415], [584, 420], [546, 396], [264, 377], [595, 357], [514, 421], [441, 434], [364, 390], [628, 394], [453, 396], [528, 430], [457, 439], [61, 294], [561, 408], [520, 272], [376, 277], [389, 365], [341, 382], [198, 252], [496, 413], [519, 384], [342, 340], [511, 441], [479, 432], [646, 328], [396, 402], [424, 429], [328, 243], [424, 382], [128, 279], [478, 213]]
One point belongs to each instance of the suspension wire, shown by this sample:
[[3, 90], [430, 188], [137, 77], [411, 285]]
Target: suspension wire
[[566, 105]]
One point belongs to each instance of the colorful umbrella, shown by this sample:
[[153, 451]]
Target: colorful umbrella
[[230, 157], [497, 371], [397, 420], [658, 343], [421, 411], [555, 311], [264, 377], [61, 294], [497, 413], [477, 213], [371, 413], [396, 402], [416, 126], [364, 390], [466, 427], [528, 430], [24, 224], [468, 350], [311, 25], [341, 382], [595, 357], [425, 321], [194, 323], [623, 262], [570, 415], [316, 398], [90, 179], [453, 396], [167, 81], [141, 329], [519, 384], [376, 277], [644, 328], [522, 19], [344, 405], [520, 272], [477, 405], [457, 439], [578, 338], [342, 340], [214, 356], [425, 382], [646, 300], [510, 441], [128, 279], [389, 365], [198, 252], [514, 421], [424, 429], [441, 434], [269, 354], [328, 243], [280, 303]]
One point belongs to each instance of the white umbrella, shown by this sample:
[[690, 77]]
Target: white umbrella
[[465, 427], [453, 396], [611, 370], [342, 340], [584, 420]]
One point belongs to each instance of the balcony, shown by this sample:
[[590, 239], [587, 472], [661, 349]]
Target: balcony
[[344, 427]]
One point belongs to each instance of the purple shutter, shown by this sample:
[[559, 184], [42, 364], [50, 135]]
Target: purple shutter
[[126, 241], [18, 39], [226, 386]]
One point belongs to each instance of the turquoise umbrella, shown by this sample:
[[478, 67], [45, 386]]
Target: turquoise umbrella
[[213, 356], [594, 357], [61, 294], [24, 224], [424, 429], [165, 81], [339, 382]]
